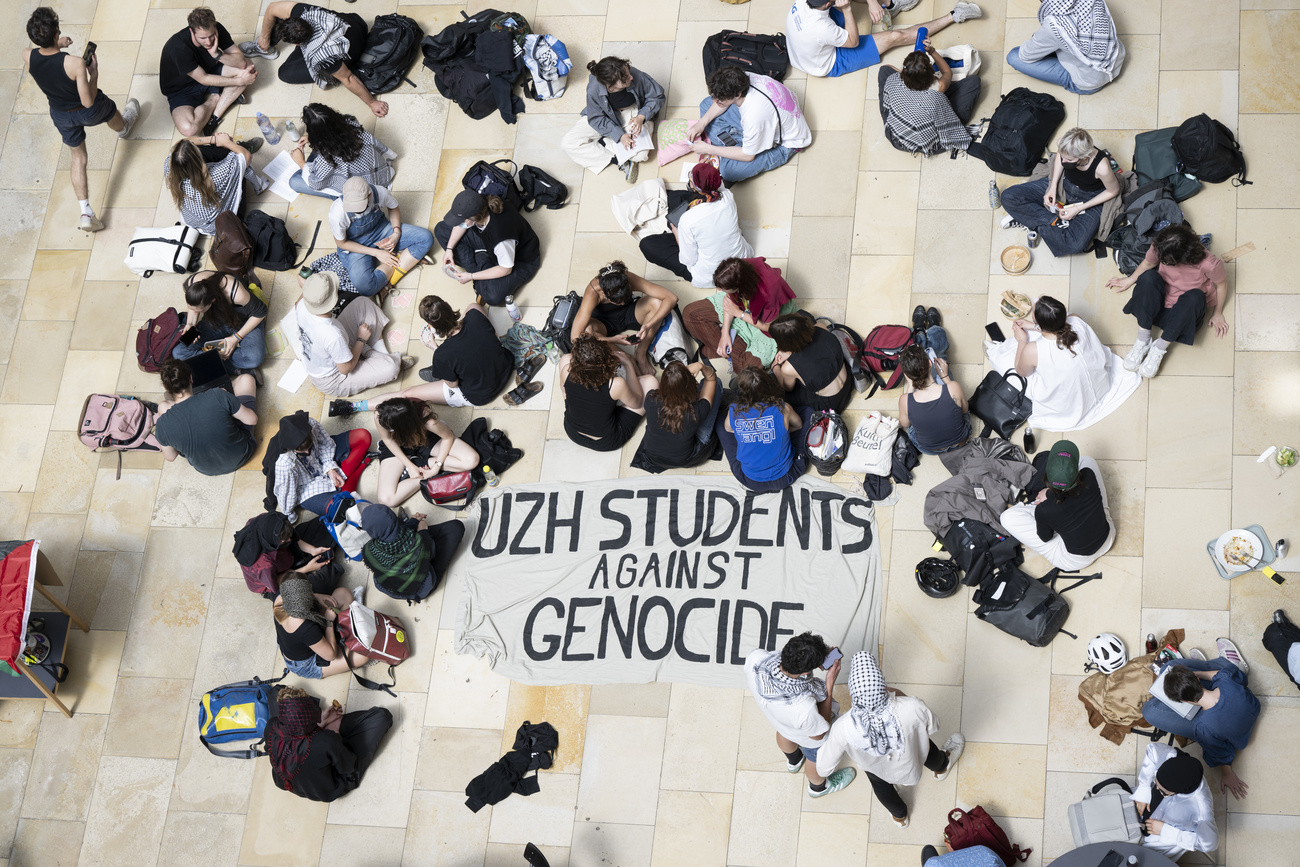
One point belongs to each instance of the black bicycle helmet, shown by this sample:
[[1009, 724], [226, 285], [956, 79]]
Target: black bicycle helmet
[[938, 578]]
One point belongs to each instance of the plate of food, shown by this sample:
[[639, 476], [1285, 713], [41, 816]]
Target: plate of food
[[1239, 550]]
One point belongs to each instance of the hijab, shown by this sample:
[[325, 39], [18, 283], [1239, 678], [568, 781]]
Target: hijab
[[288, 741], [874, 719], [299, 600], [707, 181], [775, 685], [294, 430], [261, 535], [1086, 27]]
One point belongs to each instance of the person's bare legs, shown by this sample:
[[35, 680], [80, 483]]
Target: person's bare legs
[[809, 768], [80, 183], [190, 119], [894, 38], [116, 123], [244, 385], [392, 492]]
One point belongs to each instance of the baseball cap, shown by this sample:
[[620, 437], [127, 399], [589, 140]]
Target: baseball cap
[[467, 205], [1063, 466], [320, 292], [356, 195]]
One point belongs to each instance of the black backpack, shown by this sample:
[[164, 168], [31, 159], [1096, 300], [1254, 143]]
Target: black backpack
[[1031, 609], [273, 246], [559, 325], [540, 189], [1019, 131], [977, 549], [1208, 151], [826, 442], [390, 50], [496, 178], [752, 52], [1147, 210]]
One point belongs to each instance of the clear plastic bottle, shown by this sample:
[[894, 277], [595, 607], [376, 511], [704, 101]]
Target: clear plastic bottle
[[995, 197], [513, 309], [491, 476], [291, 130], [553, 352], [268, 129]]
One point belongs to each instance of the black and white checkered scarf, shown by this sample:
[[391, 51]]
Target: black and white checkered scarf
[[873, 718], [329, 42], [775, 685], [1086, 26]]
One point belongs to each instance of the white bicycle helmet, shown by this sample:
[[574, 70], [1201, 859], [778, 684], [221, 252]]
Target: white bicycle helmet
[[1106, 653]]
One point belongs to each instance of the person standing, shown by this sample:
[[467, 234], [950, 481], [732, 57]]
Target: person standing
[[71, 85], [798, 704], [1174, 803], [202, 73]]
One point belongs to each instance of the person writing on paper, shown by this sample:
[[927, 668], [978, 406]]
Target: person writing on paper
[[733, 322], [611, 306], [1228, 709], [340, 149], [617, 122], [1174, 804]]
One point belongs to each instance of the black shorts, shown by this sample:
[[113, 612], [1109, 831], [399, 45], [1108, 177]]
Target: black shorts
[[625, 424], [617, 318], [192, 96], [72, 124]]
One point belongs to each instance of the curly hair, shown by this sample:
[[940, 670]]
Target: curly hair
[[335, 136], [757, 389], [202, 18], [614, 283], [678, 393], [729, 82], [403, 419], [736, 277], [610, 71], [804, 653], [1051, 316], [43, 27], [287, 692], [207, 294], [176, 376], [439, 314], [792, 332], [917, 71], [186, 164], [1179, 245], [592, 362], [295, 31]]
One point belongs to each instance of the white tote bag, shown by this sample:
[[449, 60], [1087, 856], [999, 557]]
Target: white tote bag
[[969, 57], [872, 449]]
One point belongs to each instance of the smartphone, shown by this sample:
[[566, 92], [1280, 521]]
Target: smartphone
[[190, 335], [88, 53], [325, 557], [1112, 859], [305, 271], [831, 658], [634, 339], [995, 331]]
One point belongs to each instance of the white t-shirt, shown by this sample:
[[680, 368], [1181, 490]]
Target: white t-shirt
[[761, 116], [902, 768], [811, 38], [324, 345], [797, 720], [709, 233], [340, 219]]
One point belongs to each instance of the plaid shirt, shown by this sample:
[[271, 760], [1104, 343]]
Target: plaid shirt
[[921, 121], [300, 477]]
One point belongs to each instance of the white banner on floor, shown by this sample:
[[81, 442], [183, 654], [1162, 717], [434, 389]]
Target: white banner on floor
[[672, 578]]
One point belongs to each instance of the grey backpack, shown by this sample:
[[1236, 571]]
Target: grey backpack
[[1148, 209], [1105, 818]]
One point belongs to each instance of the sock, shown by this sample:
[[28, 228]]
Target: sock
[[86, 209], [1144, 335], [818, 787], [1160, 344], [794, 757], [361, 406], [397, 275]]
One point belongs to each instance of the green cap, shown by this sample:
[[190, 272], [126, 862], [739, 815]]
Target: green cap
[[1063, 466]]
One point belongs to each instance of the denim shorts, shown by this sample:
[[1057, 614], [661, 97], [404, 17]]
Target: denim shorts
[[72, 124], [307, 668], [810, 753]]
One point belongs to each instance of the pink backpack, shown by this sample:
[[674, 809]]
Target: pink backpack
[[118, 423]]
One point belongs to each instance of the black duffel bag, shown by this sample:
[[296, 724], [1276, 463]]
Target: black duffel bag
[[1000, 404], [1031, 609]]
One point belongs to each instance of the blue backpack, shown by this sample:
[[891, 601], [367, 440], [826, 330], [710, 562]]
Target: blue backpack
[[238, 712], [342, 519]]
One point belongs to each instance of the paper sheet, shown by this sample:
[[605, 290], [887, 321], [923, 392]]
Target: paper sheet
[[279, 170], [294, 377], [642, 143]]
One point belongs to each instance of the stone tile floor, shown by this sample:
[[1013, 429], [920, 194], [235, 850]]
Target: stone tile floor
[[656, 773]]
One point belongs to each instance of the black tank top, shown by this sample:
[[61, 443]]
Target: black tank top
[[819, 362], [590, 411], [1086, 179], [939, 424], [53, 81]]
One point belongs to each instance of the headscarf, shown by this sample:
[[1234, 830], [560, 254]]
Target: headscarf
[[299, 600], [381, 523], [1086, 27], [391, 541], [288, 739], [294, 430], [775, 685], [872, 716], [1181, 773], [707, 181], [260, 535]]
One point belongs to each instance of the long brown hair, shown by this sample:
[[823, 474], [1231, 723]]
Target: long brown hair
[[210, 293], [494, 205], [1051, 317], [757, 389], [592, 363], [677, 392], [736, 277], [439, 314], [403, 418], [187, 165]]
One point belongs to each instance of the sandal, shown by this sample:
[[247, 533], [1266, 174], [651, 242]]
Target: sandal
[[522, 393]]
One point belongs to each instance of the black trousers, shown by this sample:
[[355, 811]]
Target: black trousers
[[362, 730], [294, 69], [472, 254], [936, 760], [662, 249], [1278, 638], [1178, 324]]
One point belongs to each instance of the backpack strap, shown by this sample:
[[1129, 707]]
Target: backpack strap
[[310, 247], [368, 684], [250, 753]]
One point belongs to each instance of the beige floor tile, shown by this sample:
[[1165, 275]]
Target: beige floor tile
[[1262, 323], [1179, 522], [986, 690], [1267, 771], [115, 522], [963, 313], [837, 104], [61, 230], [1186, 93], [951, 185], [451, 757], [390, 778], [627, 21], [565, 707], [546, 818], [51, 843], [14, 511], [67, 475], [198, 839], [31, 154], [1262, 271], [12, 295], [279, 830], [1101, 307], [565, 461], [60, 535], [37, 362], [1265, 35], [691, 827], [877, 154], [128, 812], [1072, 745], [1253, 602], [106, 252], [148, 718], [14, 766], [1120, 436], [687, 87], [1258, 134], [880, 284], [757, 750], [826, 838], [611, 843], [766, 212], [54, 288], [1003, 778], [885, 217], [893, 853], [203, 784], [823, 188], [187, 498], [103, 316], [958, 239], [63, 768], [535, 144], [238, 633], [765, 819], [1025, 833], [24, 446], [84, 373], [920, 635], [1259, 422], [1201, 627], [245, 501], [22, 722], [137, 179], [928, 804], [1259, 839], [701, 739], [1115, 605], [623, 757], [170, 606], [346, 845], [1192, 448], [1192, 41], [471, 696], [1128, 102], [508, 854], [828, 277], [92, 659]]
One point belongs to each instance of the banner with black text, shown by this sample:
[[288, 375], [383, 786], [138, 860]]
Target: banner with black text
[[674, 578]]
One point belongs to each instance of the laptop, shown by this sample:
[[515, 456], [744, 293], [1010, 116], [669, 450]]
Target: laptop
[[1185, 709], [209, 371]]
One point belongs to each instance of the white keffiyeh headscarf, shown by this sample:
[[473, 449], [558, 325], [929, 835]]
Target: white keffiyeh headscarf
[[775, 685], [872, 716], [1087, 27]]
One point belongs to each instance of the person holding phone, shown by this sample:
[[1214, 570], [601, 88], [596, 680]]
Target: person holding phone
[[798, 704], [224, 315], [71, 86], [1174, 803], [887, 735], [923, 109], [270, 546]]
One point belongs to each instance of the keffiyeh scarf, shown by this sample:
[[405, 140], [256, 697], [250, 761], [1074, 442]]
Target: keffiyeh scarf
[[288, 741], [1084, 25], [329, 42], [775, 685], [872, 716]]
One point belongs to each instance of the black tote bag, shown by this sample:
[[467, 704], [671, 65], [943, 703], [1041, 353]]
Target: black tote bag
[[1000, 404]]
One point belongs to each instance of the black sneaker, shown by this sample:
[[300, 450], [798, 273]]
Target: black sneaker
[[210, 128], [426, 373], [252, 145], [932, 317], [1280, 618], [928, 852], [918, 318], [341, 409]]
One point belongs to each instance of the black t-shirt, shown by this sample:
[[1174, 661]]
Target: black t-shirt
[[180, 57], [474, 356], [1079, 518], [665, 447], [510, 226], [819, 362], [296, 645], [203, 429], [621, 100]]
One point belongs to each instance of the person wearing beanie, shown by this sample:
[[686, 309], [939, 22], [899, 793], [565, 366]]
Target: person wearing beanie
[[1174, 804], [750, 122], [490, 244], [376, 247], [703, 229], [1069, 521]]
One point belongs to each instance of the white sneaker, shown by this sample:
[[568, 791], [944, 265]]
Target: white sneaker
[[359, 594], [1133, 360], [1229, 651], [1010, 222], [90, 223], [130, 115], [964, 11], [954, 746], [901, 6], [252, 49], [1195, 653], [796, 767], [1151, 363]]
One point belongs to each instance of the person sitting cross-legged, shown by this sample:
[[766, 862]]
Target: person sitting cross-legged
[[923, 109], [213, 429], [377, 248], [202, 73], [823, 37], [752, 123]]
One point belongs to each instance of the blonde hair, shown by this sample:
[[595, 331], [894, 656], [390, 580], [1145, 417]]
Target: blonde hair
[[292, 692], [1076, 144], [186, 164]]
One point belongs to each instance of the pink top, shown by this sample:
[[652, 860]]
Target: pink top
[[1184, 278]]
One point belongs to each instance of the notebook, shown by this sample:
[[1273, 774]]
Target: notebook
[[1185, 709]]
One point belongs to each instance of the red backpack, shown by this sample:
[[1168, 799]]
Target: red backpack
[[157, 338], [977, 828], [880, 352]]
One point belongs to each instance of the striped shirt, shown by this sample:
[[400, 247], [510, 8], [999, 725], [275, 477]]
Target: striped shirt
[[921, 121], [371, 163], [227, 178]]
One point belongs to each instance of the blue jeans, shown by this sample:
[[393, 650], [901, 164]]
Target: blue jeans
[[1048, 69], [704, 433], [853, 59], [1165, 718], [320, 502], [725, 130], [934, 338], [1025, 203], [368, 230], [299, 185], [248, 355]]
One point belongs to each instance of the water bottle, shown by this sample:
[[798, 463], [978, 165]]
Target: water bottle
[[513, 309], [922, 34], [553, 352], [491, 477], [995, 198], [291, 131], [268, 129]]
